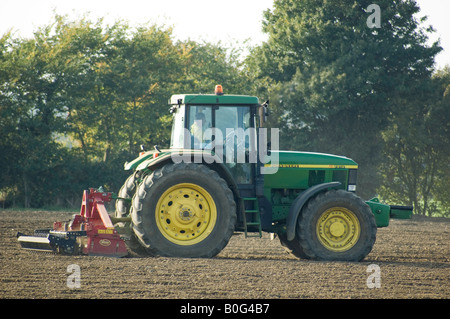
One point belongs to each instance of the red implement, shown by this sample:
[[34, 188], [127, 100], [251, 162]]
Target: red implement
[[91, 232], [102, 238]]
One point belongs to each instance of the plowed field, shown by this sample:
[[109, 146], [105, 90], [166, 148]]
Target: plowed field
[[413, 257]]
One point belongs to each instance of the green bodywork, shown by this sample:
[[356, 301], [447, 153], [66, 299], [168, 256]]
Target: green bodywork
[[296, 171], [301, 170]]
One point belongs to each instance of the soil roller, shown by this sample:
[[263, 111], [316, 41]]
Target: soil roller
[[90, 233]]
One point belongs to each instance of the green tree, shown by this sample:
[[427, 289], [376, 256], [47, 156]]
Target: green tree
[[144, 70], [8, 150], [31, 111], [337, 77], [206, 64], [78, 98], [418, 149]]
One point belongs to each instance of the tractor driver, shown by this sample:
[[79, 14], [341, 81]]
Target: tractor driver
[[198, 128]]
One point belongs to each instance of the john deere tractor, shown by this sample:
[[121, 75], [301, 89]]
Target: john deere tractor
[[219, 177]]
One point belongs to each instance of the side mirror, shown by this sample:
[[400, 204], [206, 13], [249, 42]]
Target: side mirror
[[174, 107]]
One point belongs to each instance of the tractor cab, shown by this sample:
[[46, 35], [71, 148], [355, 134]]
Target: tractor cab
[[224, 125]]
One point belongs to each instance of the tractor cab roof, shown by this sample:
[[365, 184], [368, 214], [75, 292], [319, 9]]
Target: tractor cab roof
[[213, 99]]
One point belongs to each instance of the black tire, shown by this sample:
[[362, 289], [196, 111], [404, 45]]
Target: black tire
[[126, 191], [204, 239], [292, 247], [123, 207], [330, 214]]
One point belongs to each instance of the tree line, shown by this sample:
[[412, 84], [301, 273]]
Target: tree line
[[79, 97]]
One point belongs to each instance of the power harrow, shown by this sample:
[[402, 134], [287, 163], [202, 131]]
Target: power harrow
[[90, 233]]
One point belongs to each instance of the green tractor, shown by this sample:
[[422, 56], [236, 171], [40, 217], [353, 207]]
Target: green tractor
[[218, 177]]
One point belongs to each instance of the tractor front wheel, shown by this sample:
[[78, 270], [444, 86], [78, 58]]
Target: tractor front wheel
[[336, 225], [184, 210]]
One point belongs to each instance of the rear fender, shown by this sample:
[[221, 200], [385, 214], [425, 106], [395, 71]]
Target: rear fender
[[299, 202], [146, 157], [174, 156]]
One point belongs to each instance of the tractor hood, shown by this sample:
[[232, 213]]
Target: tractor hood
[[301, 170], [279, 160], [291, 159]]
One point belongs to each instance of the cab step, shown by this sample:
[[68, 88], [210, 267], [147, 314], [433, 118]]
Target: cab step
[[254, 222]]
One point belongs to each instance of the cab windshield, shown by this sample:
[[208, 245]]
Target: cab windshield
[[198, 126], [215, 123]]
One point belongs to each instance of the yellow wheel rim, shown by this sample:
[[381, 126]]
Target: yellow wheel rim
[[338, 229], [185, 214]]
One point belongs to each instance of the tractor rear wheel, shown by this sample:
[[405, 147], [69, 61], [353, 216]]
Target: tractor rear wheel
[[126, 191], [123, 210], [184, 210], [336, 225]]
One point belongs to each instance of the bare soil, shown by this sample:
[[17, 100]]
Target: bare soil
[[413, 258]]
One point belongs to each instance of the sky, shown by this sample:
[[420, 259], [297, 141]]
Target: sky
[[231, 21]]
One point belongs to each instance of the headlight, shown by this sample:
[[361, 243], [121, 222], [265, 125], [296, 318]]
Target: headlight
[[352, 176]]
